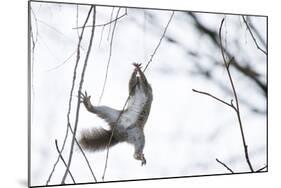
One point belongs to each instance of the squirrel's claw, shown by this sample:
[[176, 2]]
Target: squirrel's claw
[[143, 162], [137, 65]]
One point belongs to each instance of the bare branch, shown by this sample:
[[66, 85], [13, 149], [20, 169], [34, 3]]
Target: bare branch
[[110, 139], [158, 45], [216, 98], [253, 37], [236, 100], [109, 56], [80, 88], [261, 169], [61, 157], [256, 32], [223, 164], [34, 40], [84, 155], [61, 64]]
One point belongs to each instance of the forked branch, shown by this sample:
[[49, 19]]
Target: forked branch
[[236, 107], [236, 101]]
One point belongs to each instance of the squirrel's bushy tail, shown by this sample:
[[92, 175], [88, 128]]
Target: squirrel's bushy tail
[[96, 139]]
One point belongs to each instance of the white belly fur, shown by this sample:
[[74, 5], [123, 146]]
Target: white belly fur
[[135, 107]]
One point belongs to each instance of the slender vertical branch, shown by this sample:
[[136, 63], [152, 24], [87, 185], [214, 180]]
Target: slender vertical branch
[[61, 157], [79, 91], [109, 56], [236, 100], [110, 139], [252, 35], [110, 21], [70, 98], [124, 106]]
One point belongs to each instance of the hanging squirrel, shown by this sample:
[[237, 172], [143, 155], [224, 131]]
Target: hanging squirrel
[[128, 124]]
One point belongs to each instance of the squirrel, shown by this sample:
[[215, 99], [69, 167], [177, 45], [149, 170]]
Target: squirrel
[[129, 123]]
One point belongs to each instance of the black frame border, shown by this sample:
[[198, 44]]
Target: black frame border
[[131, 180]]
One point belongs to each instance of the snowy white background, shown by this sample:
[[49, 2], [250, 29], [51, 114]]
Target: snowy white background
[[14, 105], [185, 132]]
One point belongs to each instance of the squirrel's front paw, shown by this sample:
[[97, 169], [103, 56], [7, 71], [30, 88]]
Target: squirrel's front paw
[[137, 65], [86, 99]]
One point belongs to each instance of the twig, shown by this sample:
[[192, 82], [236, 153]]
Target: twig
[[158, 45], [111, 136], [70, 98], [109, 57], [261, 169], [77, 16], [61, 64], [252, 35], [61, 157], [104, 24], [102, 30], [236, 100], [255, 31], [216, 98], [110, 20], [110, 139], [79, 90], [84, 155], [223, 164], [34, 42]]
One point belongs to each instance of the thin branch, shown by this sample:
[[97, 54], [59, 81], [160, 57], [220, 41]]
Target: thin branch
[[104, 24], [216, 98], [61, 157], [236, 100], [256, 32], [110, 139], [34, 42], [79, 91], [84, 155], [252, 35], [261, 169], [77, 18], [124, 106], [158, 45], [223, 164], [110, 25], [102, 30], [109, 57], [61, 64], [70, 98]]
